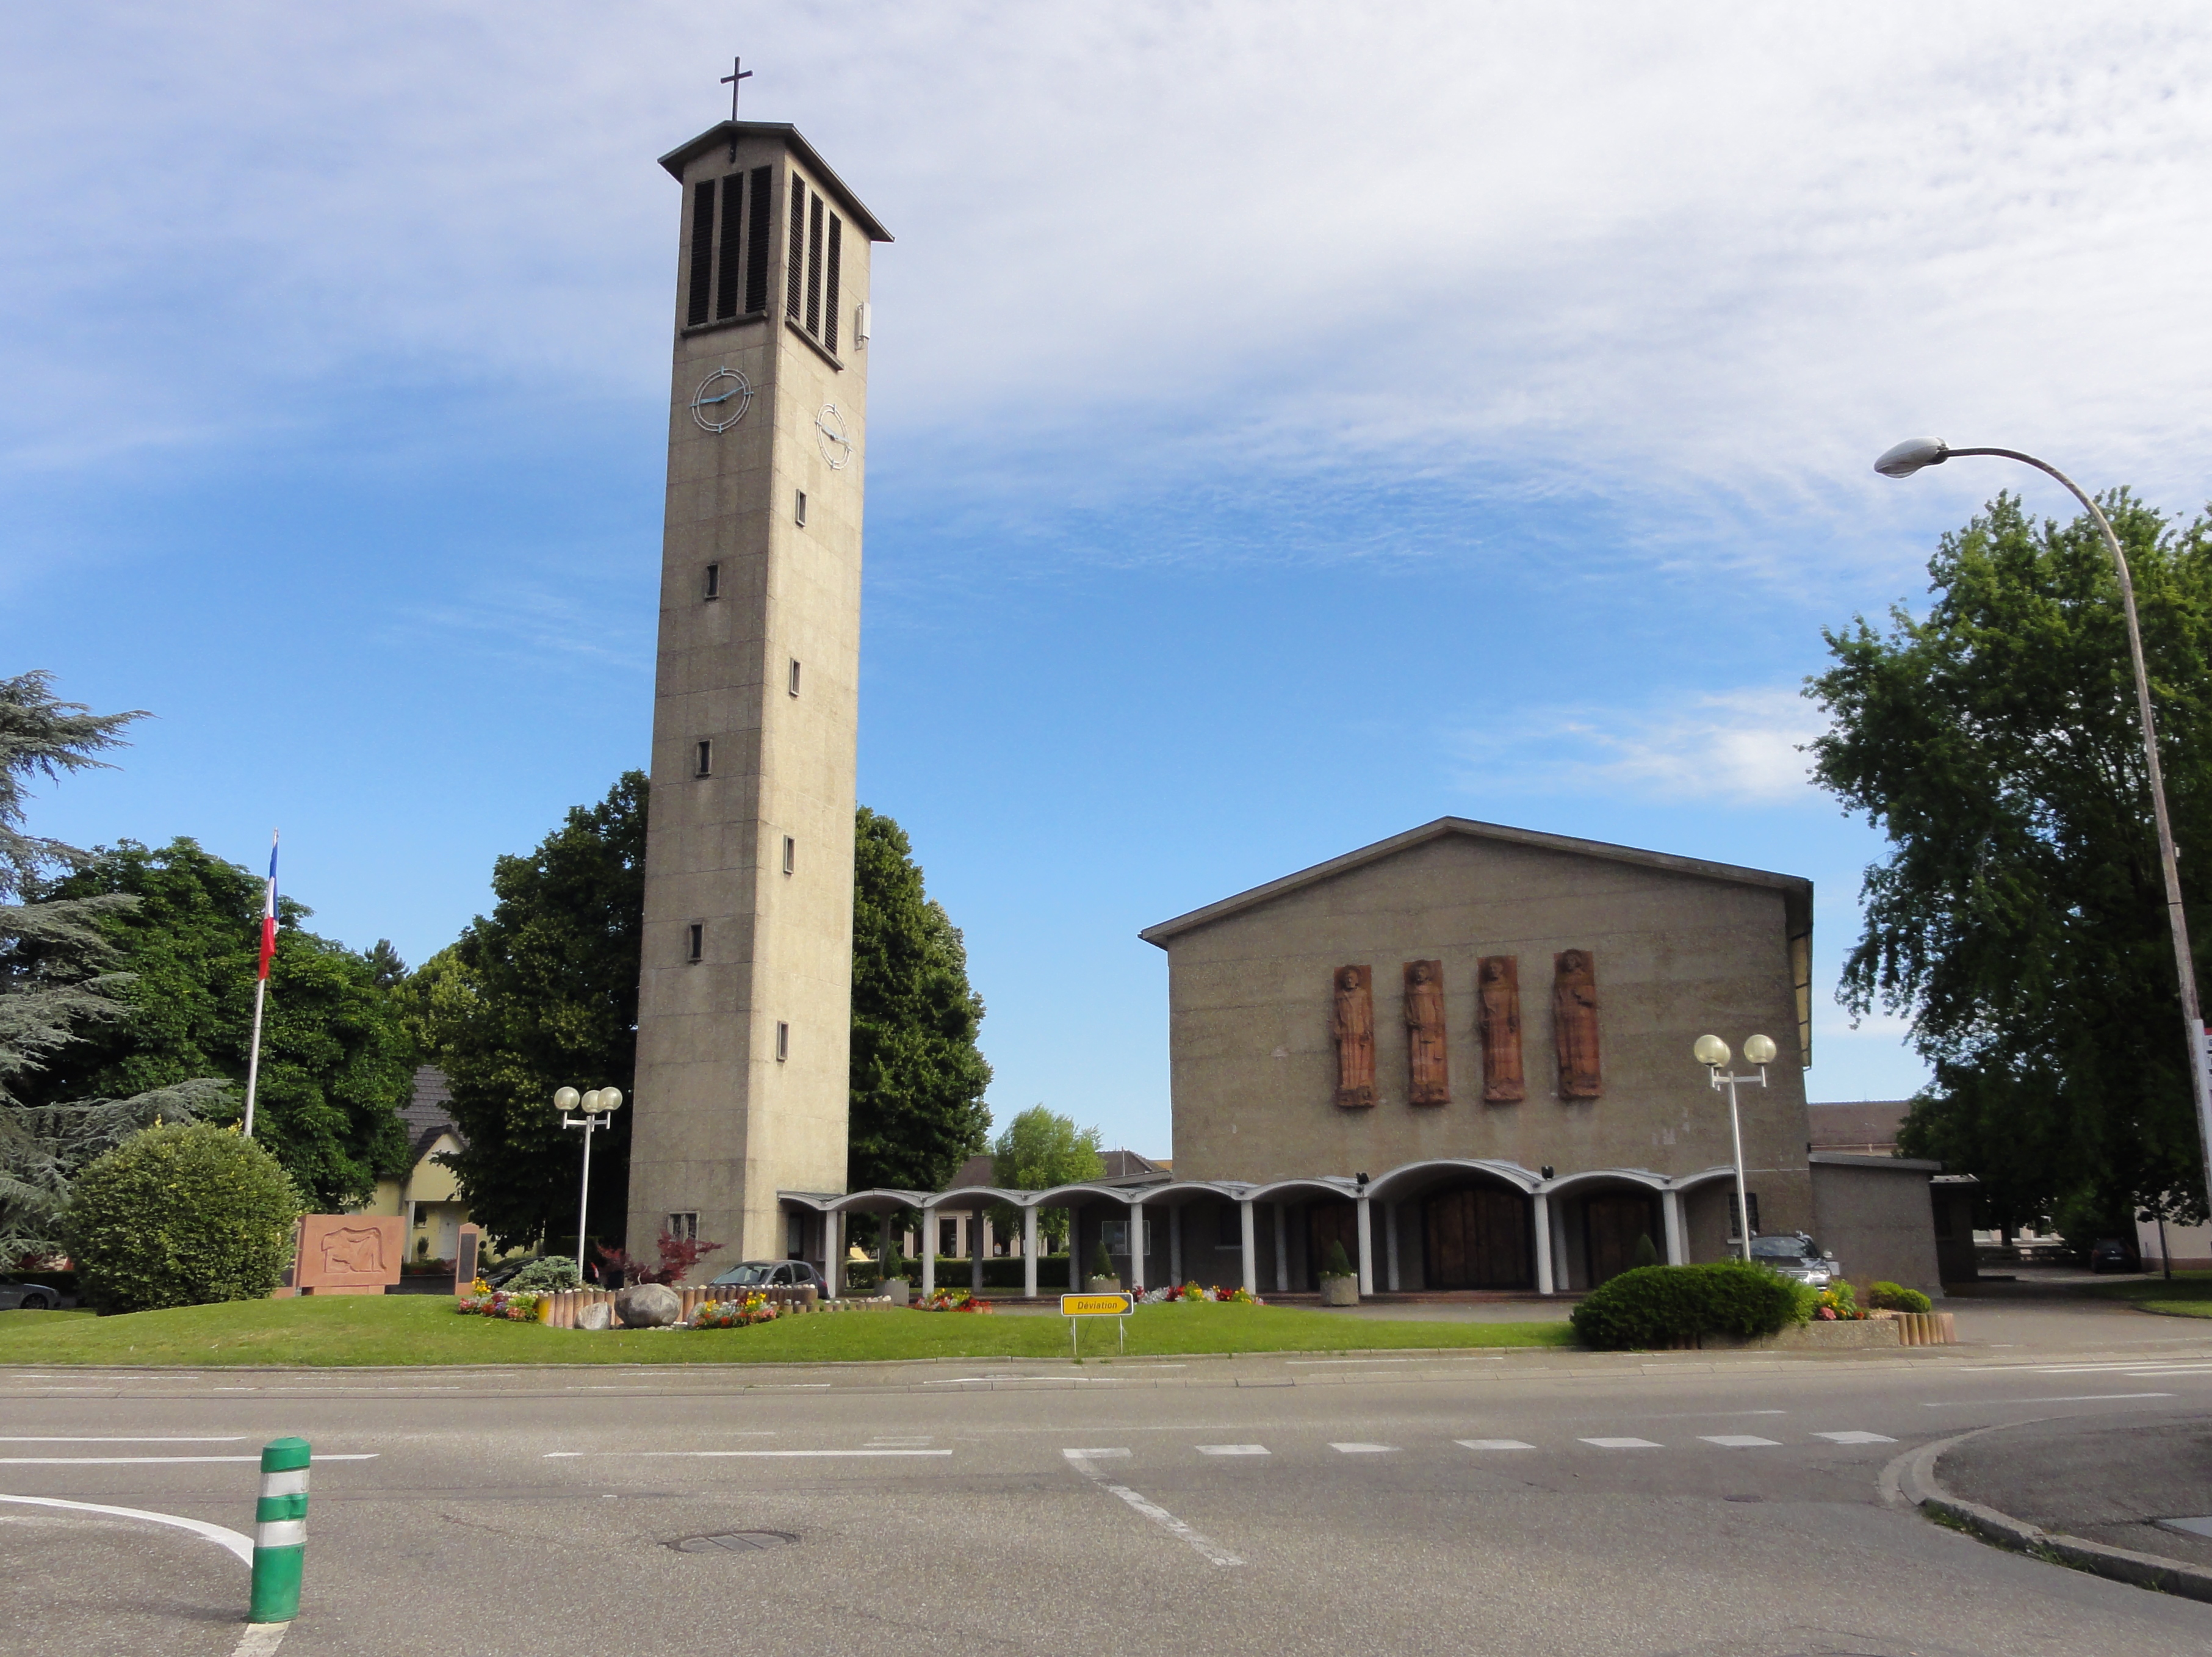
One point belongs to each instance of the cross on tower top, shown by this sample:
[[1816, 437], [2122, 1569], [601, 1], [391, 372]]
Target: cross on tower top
[[735, 81]]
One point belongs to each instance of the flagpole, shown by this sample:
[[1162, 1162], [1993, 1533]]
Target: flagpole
[[261, 982]]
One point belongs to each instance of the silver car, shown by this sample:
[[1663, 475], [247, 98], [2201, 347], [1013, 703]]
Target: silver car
[[1793, 1254], [16, 1296]]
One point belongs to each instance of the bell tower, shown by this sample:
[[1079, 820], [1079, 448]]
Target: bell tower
[[744, 1001]]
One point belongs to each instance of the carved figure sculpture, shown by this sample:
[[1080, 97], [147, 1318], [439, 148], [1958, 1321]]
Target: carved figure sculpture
[[349, 1253], [1500, 993], [1574, 1023], [1427, 1080], [1353, 1024]]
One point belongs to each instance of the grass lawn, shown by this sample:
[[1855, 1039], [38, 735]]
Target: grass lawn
[[2188, 1296], [423, 1329]]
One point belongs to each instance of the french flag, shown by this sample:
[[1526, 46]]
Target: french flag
[[269, 911]]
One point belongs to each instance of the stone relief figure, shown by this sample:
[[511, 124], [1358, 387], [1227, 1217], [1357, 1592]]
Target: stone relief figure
[[1500, 1023], [1427, 1081], [1351, 1023], [349, 1253], [1574, 1023]]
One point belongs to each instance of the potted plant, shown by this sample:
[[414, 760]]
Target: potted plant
[[895, 1285], [1103, 1280], [1339, 1283]]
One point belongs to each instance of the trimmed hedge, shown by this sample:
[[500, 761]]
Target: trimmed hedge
[[1667, 1306], [181, 1215], [1895, 1297]]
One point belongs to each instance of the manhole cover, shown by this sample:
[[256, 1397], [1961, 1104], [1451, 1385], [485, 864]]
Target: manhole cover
[[736, 1542]]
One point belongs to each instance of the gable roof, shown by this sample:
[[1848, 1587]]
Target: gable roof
[[726, 132], [1796, 889], [427, 1114]]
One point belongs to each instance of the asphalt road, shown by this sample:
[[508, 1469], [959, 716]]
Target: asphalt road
[[1555, 1503]]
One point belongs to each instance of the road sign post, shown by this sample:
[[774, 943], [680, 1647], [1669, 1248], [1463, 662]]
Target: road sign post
[[1075, 1307]]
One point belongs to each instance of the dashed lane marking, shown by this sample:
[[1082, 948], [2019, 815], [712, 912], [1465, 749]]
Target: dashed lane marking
[[1364, 1449], [723, 1455], [1624, 1444], [1085, 1462], [1856, 1438], [2078, 1398], [1232, 1449], [1740, 1441], [1494, 1443]]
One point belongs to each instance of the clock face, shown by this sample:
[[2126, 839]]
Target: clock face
[[830, 432], [721, 401]]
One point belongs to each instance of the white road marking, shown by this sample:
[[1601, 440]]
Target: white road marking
[[1740, 1441], [1206, 1547], [236, 1438], [725, 1455], [1624, 1444], [144, 1461], [1493, 1443], [1232, 1449], [241, 1545], [1856, 1438], [1364, 1449], [260, 1639], [1323, 1363], [2079, 1398]]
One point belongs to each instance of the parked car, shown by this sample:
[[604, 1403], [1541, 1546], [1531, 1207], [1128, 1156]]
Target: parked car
[[2112, 1254], [16, 1296], [1793, 1254], [771, 1274]]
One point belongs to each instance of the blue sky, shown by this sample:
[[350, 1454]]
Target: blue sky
[[1288, 424]]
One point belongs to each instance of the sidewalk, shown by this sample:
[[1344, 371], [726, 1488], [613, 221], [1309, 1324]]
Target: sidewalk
[[2101, 1480]]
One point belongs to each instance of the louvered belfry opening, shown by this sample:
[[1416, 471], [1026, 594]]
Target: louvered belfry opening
[[794, 279], [728, 276], [830, 304], [814, 267]]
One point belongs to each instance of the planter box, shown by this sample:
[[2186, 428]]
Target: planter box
[[1340, 1291], [1813, 1338], [897, 1290], [1102, 1286]]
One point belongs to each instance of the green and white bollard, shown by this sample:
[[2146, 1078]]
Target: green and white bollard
[[280, 1532]]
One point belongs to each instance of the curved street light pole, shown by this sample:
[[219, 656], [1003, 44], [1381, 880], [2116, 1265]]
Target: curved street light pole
[[1910, 457]]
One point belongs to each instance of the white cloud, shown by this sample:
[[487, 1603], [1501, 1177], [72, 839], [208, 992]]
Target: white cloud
[[1739, 746]]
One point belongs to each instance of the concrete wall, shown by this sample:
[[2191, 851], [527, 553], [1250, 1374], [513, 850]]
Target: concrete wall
[[1676, 954], [720, 1121], [1874, 1215]]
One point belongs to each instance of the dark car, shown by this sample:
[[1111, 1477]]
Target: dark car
[[2111, 1254], [1795, 1255], [19, 1296], [771, 1274]]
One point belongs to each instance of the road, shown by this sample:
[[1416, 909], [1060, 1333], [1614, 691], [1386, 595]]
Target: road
[[1553, 1503]]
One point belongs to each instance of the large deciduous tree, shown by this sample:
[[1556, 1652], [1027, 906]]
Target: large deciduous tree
[[2019, 919], [917, 1077], [337, 1063], [1039, 1149], [538, 995]]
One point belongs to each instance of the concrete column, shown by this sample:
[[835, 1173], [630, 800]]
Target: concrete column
[[1670, 1210], [1562, 1262], [1543, 1204], [834, 1241], [1282, 1248], [1028, 1252], [927, 1251], [1251, 1279], [1366, 1251], [1136, 1245], [1390, 1241], [978, 1234], [1078, 1264], [1174, 1242]]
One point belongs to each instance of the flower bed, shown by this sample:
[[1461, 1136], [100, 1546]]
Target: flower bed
[[953, 1299], [754, 1309], [515, 1306], [1238, 1296]]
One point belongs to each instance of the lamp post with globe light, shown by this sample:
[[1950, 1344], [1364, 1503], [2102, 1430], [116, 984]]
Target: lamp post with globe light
[[1915, 453], [599, 1107], [1713, 1053]]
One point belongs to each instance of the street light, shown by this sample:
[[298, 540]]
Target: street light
[[599, 1107], [1713, 1053], [1911, 456]]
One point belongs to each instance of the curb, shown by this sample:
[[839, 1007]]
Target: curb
[[1911, 1480]]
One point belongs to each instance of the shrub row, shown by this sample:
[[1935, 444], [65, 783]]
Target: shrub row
[[1667, 1306]]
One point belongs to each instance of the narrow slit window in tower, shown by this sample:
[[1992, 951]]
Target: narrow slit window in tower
[[730, 255], [790, 854], [702, 253], [830, 297], [794, 675], [703, 758], [694, 942], [799, 509], [782, 1041], [814, 267], [685, 1228], [713, 582], [757, 207]]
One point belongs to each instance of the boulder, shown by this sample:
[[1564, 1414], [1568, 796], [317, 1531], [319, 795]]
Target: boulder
[[597, 1315], [648, 1305]]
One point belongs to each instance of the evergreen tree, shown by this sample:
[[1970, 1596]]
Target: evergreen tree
[[917, 1077], [539, 995], [2019, 919], [335, 1061]]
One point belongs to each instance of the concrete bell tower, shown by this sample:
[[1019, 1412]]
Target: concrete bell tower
[[745, 1000]]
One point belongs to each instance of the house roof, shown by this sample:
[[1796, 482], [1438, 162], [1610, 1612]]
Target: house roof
[[1796, 889], [1869, 1124], [727, 131], [429, 1114]]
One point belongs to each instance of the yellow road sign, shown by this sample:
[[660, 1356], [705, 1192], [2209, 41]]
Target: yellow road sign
[[1097, 1305]]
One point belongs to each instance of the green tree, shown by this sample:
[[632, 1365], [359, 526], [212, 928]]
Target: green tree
[[542, 994], [2019, 919], [337, 1063], [917, 1077], [1037, 1150]]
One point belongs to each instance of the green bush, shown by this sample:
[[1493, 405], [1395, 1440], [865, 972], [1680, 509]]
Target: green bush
[[1102, 1263], [1896, 1297], [544, 1275], [1646, 1252], [1665, 1306], [1339, 1263], [182, 1216]]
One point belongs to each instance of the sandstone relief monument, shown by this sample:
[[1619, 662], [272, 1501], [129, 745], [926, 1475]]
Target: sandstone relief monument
[[1428, 1079], [1498, 998], [1574, 1024], [1352, 1026]]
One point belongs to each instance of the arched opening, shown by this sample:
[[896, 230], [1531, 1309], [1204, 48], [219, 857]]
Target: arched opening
[[1477, 1234], [1604, 1228]]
